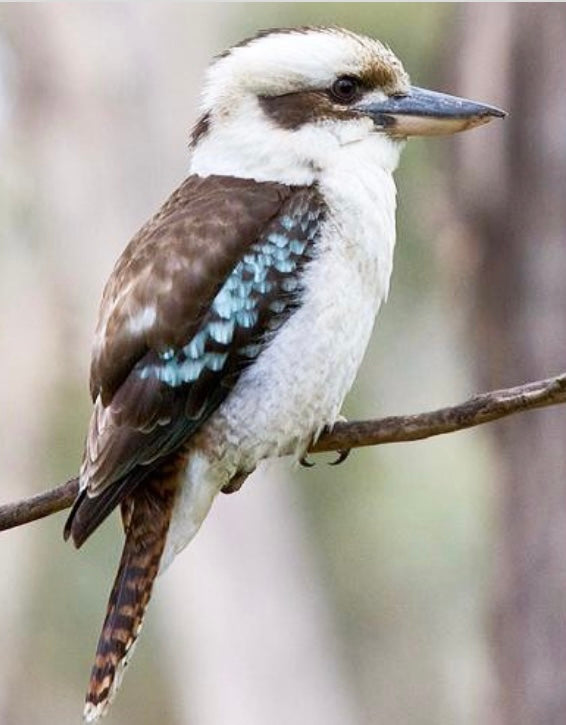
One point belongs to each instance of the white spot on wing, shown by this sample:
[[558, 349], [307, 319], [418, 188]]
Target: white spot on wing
[[142, 320]]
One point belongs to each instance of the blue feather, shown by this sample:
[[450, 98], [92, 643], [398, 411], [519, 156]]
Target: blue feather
[[195, 348], [268, 268]]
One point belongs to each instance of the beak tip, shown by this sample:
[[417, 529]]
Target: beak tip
[[496, 112]]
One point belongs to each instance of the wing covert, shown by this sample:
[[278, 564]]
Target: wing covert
[[168, 274], [175, 380]]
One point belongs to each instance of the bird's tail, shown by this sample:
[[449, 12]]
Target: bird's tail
[[146, 513]]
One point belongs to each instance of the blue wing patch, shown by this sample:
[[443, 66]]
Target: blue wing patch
[[153, 406], [255, 300]]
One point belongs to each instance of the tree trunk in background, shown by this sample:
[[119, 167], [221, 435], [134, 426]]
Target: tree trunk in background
[[513, 202]]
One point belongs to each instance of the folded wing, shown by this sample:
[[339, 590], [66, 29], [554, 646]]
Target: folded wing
[[193, 300]]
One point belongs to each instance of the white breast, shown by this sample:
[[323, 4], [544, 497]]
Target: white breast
[[298, 384]]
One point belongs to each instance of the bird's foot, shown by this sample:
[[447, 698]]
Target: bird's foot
[[343, 453]]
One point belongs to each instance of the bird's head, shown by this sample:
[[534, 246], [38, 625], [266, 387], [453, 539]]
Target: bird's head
[[284, 105]]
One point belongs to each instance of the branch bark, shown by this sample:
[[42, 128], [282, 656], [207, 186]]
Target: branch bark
[[475, 411]]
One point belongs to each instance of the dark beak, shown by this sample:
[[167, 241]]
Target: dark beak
[[426, 113]]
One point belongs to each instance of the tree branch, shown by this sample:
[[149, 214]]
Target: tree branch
[[37, 507], [478, 410]]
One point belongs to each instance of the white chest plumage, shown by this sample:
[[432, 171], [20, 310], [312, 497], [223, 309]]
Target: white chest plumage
[[299, 382]]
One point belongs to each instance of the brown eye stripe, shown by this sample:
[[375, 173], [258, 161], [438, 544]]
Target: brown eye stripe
[[292, 110]]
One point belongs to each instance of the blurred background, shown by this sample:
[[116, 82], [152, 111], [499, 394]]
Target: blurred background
[[416, 584]]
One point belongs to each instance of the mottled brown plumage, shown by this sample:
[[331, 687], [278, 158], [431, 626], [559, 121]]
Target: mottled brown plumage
[[146, 515], [175, 266], [140, 425], [177, 263]]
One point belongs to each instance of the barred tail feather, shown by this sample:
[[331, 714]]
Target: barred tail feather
[[146, 514]]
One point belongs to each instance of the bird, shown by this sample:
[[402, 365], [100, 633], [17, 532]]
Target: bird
[[234, 322]]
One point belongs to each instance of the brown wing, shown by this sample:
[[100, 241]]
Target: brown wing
[[168, 274], [158, 375]]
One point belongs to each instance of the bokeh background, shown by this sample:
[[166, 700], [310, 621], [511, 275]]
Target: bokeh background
[[417, 584]]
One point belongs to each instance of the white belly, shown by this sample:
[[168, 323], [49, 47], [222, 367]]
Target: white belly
[[296, 386], [298, 383]]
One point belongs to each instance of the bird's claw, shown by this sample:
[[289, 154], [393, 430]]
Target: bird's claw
[[304, 461], [343, 453]]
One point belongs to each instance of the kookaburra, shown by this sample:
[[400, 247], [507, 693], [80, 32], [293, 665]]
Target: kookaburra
[[234, 323]]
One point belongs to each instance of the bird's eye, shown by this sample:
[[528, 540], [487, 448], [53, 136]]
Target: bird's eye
[[345, 89]]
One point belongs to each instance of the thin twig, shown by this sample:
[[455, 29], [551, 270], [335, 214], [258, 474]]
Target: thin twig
[[478, 410], [36, 507]]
